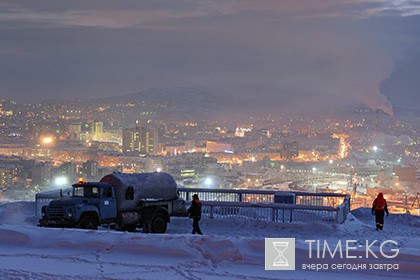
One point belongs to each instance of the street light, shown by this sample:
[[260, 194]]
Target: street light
[[47, 140], [208, 182], [60, 181]]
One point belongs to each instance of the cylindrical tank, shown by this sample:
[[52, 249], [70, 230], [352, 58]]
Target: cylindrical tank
[[130, 188]]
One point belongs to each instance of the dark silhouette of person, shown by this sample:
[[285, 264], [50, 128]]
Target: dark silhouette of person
[[194, 212], [379, 208]]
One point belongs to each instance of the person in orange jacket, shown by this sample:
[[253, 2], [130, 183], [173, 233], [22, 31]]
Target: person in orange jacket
[[195, 213], [379, 208]]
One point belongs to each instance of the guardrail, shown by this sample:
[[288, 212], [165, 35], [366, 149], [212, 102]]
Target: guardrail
[[275, 212], [263, 196], [259, 204]]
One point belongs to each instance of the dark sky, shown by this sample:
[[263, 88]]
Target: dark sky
[[286, 52]]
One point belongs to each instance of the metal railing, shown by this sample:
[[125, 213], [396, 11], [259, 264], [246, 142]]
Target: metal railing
[[274, 212], [263, 196], [259, 205]]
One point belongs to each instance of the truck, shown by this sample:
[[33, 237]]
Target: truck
[[119, 200]]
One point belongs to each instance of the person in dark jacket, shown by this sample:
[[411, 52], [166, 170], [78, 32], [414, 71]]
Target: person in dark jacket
[[379, 208], [194, 212]]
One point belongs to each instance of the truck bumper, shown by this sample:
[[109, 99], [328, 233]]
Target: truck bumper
[[55, 223]]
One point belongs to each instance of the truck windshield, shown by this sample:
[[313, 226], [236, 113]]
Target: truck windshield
[[86, 191]]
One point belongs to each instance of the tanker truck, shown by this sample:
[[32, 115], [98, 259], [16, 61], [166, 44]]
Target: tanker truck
[[120, 200]]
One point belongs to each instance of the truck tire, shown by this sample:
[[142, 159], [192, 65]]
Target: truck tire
[[159, 223], [88, 222]]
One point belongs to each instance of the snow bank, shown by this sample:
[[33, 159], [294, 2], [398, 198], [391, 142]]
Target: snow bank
[[230, 249], [18, 213]]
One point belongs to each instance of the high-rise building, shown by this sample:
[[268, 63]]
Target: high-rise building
[[41, 174], [96, 129], [8, 174], [68, 169], [143, 140], [290, 150], [90, 169]]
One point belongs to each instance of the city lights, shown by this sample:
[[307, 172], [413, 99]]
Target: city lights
[[47, 140], [298, 156]]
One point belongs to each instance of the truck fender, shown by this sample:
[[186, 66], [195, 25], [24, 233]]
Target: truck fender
[[89, 220], [87, 209]]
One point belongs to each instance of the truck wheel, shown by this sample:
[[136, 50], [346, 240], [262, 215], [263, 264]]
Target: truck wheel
[[159, 223], [88, 222]]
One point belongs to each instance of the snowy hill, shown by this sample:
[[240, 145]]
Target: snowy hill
[[230, 249]]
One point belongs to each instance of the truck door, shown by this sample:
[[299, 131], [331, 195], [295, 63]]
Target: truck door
[[108, 205]]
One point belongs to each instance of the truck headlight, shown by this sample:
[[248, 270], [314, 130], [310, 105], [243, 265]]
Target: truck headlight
[[70, 215]]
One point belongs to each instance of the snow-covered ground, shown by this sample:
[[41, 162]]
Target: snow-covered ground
[[230, 249]]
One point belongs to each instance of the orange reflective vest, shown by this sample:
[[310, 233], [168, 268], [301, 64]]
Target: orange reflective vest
[[379, 203]]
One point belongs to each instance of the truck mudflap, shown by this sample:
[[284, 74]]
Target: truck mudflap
[[42, 222]]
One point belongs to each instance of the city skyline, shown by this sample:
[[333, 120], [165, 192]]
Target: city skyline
[[306, 55]]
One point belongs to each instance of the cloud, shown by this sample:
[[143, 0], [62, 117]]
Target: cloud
[[279, 53], [399, 7], [105, 14], [92, 18]]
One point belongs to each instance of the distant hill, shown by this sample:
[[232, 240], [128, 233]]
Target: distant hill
[[189, 103], [180, 102]]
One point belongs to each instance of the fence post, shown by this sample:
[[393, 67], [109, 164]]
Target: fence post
[[211, 212], [348, 202], [273, 214], [240, 197], [36, 206]]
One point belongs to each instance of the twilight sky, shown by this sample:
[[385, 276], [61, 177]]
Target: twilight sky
[[290, 53]]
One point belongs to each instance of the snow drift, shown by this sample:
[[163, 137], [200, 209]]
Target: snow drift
[[230, 249]]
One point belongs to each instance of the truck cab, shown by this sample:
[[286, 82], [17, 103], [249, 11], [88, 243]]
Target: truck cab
[[91, 204]]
